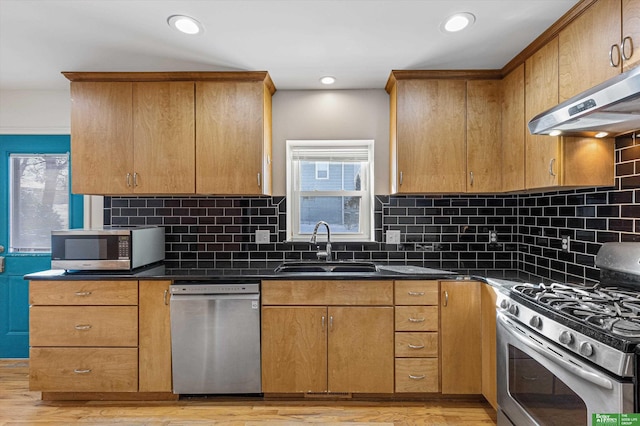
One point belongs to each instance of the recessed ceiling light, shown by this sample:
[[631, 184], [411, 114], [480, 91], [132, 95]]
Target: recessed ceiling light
[[328, 80], [601, 134], [458, 22], [555, 133], [185, 24]]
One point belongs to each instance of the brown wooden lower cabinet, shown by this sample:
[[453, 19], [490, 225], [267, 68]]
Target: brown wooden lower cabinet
[[100, 337], [417, 375], [83, 369], [460, 334], [324, 348]]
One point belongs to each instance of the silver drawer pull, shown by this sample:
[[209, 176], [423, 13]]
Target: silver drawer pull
[[83, 293], [82, 371], [415, 293], [415, 346], [83, 327], [420, 377], [416, 319]]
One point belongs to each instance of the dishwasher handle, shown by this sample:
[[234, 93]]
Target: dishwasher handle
[[200, 297]]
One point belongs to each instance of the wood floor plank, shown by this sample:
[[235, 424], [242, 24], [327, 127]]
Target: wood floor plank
[[19, 407]]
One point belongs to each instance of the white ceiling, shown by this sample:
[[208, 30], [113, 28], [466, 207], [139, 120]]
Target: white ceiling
[[297, 41]]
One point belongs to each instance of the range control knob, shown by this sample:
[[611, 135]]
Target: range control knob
[[535, 322], [504, 304], [566, 338], [586, 349], [513, 310]]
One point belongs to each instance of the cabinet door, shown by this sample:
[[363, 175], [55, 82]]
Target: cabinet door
[[294, 349], [460, 337], [360, 349], [484, 159], [489, 384], [155, 337], [541, 88], [513, 130], [230, 131], [164, 137], [631, 32], [584, 46], [101, 137], [430, 136]]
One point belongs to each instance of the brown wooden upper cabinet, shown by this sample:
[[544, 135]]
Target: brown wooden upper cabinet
[[233, 138], [135, 133], [445, 134], [598, 45], [427, 150], [554, 161], [513, 130], [484, 142]]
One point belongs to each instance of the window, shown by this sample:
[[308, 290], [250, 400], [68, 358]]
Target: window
[[39, 200], [330, 181]]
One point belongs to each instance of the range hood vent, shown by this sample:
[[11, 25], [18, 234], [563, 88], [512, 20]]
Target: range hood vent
[[612, 108]]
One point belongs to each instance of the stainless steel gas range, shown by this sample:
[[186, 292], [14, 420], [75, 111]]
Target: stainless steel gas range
[[568, 352]]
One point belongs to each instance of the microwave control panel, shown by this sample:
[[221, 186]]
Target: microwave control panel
[[123, 247]]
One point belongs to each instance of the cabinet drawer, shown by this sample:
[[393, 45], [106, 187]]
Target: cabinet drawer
[[83, 369], [83, 292], [83, 326], [330, 292], [416, 345], [416, 292], [416, 318], [417, 375]]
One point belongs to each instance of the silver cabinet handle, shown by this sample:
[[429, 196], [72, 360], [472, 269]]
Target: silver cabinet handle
[[330, 322], [420, 377], [551, 163], [83, 293], [165, 298], [415, 346], [82, 371], [623, 48], [415, 293], [471, 177], [401, 176], [259, 180], [323, 320], [128, 180], [611, 62], [416, 319], [446, 298], [83, 327], [135, 179]]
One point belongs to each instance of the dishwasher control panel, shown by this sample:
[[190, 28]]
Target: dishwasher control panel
[[209, 288]]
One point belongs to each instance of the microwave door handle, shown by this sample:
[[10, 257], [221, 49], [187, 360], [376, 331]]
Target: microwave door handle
[[596, 379]]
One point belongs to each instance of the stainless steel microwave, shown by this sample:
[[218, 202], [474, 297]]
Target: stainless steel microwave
[[111, 248]]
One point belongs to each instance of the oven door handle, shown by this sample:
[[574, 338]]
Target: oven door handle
[[596, 379]]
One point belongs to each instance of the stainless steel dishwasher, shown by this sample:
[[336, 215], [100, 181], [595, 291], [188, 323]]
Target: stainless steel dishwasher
[[215, 338]]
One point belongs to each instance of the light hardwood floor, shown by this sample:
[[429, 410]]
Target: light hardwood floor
[[18, 406]]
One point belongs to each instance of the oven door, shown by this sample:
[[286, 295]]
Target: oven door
[[539, 383]]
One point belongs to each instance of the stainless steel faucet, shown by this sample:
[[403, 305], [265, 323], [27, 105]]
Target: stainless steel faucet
[[326, 254]]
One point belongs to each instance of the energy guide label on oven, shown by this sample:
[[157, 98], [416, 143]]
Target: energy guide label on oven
[[624, 419]]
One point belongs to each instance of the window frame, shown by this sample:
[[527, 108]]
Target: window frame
[[367, 206]]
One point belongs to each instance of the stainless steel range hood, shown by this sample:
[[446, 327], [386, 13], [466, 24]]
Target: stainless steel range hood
[[612, 107]]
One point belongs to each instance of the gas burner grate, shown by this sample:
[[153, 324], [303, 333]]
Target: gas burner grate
[[611, 309]]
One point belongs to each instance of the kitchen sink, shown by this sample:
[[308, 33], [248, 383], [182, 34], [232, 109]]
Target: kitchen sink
[[322, 266]]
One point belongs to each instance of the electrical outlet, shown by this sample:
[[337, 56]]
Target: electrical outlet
[[262, 236], [565, 242], [493, 237], [393, 237]]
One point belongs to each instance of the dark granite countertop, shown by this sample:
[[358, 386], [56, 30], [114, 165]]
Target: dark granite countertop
[[160, 272]]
